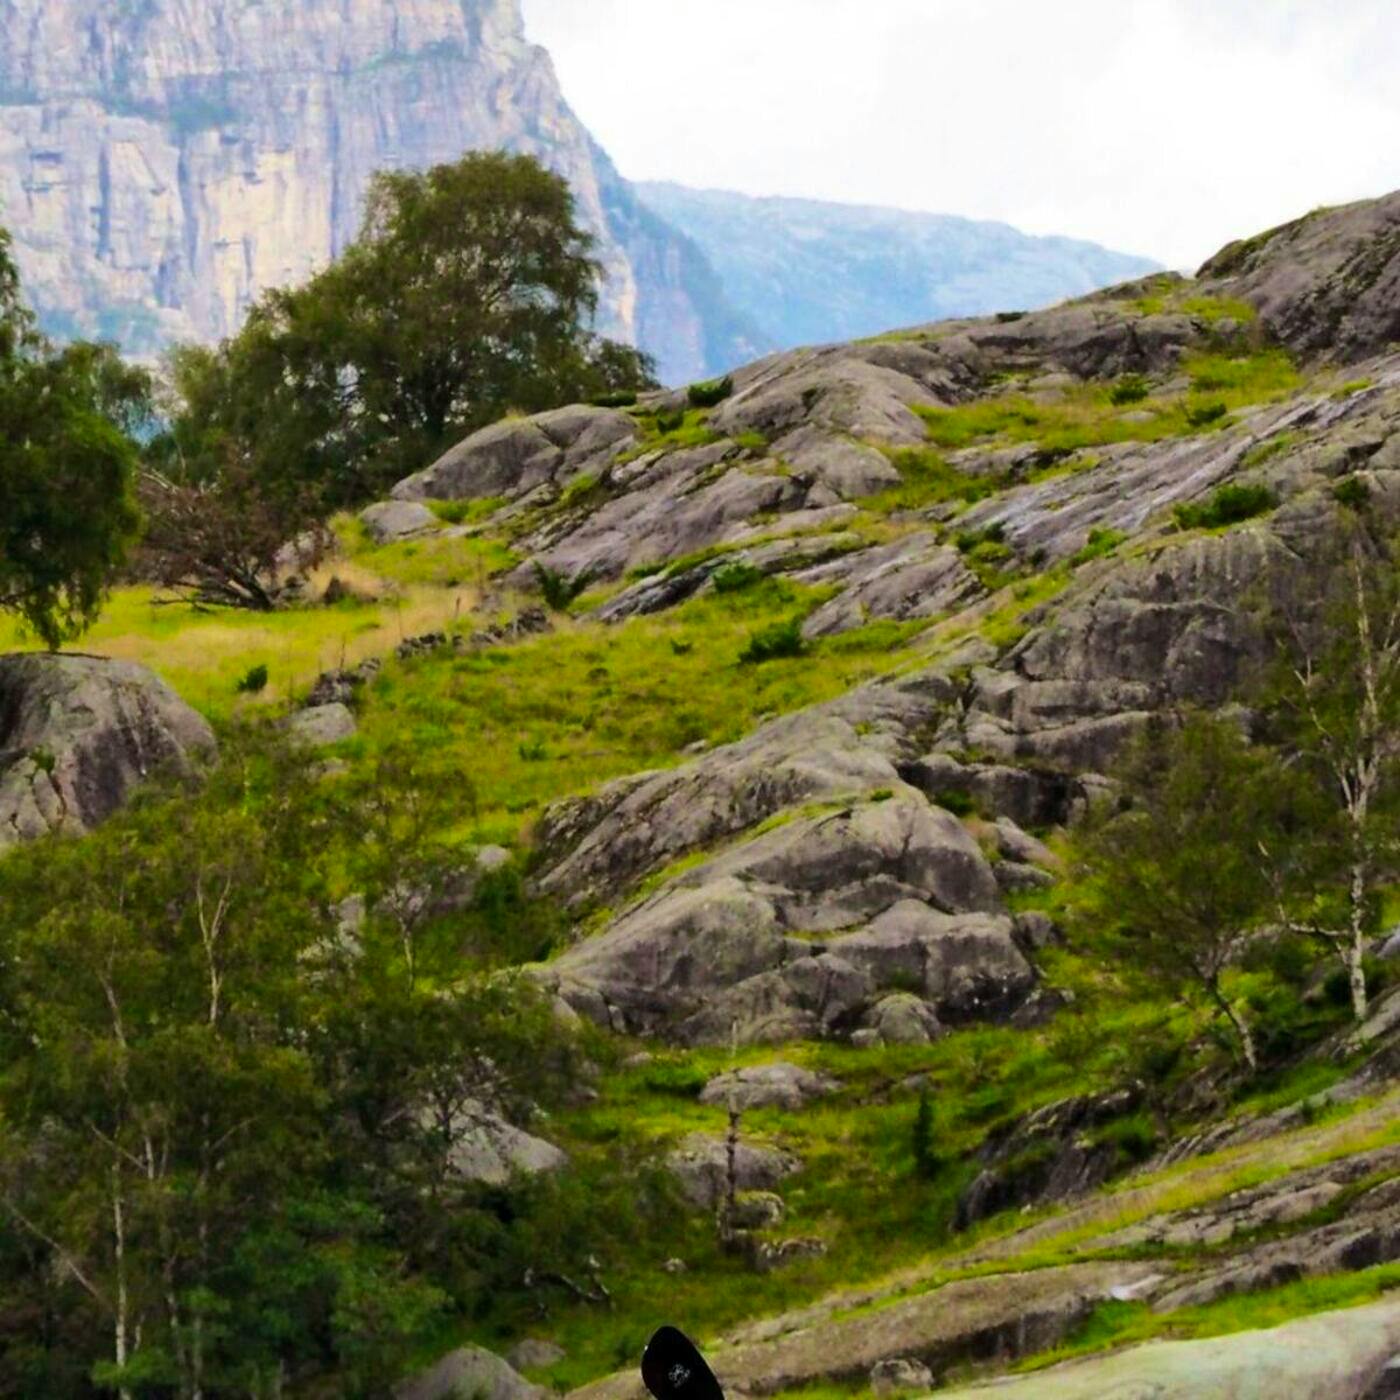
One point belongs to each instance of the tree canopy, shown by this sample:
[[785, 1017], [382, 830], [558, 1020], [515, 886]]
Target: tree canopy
[[468, 294], [229, 1123], [67, 469]]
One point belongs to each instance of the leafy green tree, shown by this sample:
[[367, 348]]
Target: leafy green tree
[[67, 465], [1178, 879], [468, 294], [1334, 703], [228, 1126]]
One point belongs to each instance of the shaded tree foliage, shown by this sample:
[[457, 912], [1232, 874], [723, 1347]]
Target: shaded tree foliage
[[224, 541], [227, 1122], [1177, 877], [468, 294], [67, 468]]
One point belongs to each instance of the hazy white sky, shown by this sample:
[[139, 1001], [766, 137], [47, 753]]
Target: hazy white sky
[[1163, 127]]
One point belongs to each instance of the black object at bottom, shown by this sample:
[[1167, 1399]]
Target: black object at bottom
[[673, 1369]]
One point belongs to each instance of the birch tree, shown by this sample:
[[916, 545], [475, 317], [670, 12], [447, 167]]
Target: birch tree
[[1335, 700], [1177, 884]]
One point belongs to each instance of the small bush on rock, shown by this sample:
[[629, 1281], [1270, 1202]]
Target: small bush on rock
[[710, 392], [1228, 505], [735, 578], [1352, 492], [1202, 415]]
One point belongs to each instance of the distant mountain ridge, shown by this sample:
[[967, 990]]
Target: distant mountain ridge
[[809, 272]]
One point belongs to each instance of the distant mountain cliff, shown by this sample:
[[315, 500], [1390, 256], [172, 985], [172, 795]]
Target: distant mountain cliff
[[810, 272], [163, 161]]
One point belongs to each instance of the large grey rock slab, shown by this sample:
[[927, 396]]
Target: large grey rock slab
[[514, 457], [1048, 1155], [1330, 1356], [78, 734], [839, 390], [911, 579], [388, 521], [697, 504], [1325, 284], [701, 1166], [1182, 625], [470, 1373], [672, 586], [775, 1085], [828, 872], [595, 847], [968, 968], [1003, 1316], [488, 1149], [847, 468], [745, 946]]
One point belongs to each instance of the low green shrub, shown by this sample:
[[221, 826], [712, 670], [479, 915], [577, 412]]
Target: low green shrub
[[735, 578], [45, 760], [683, 1081], [967, 541], [618, 398], [253, 681], [1135, 1138], [709, 392], [926, 1158], [1202, 415], [1352, 386], [1352, 492], [579, 490], [1131, 388], [958, 802], [559, 589], [1101, 542], [1268, 450], [775, 642], [1228, 505]]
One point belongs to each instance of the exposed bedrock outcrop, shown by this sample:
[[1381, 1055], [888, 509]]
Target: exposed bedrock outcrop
[[1325, 284], [809, 931], [1347, 1355]]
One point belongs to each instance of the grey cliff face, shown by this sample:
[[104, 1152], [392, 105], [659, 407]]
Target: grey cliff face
[[162, 163]]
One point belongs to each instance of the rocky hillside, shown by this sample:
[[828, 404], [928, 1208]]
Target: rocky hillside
[[784, 691], [809, 271], [162, 163]]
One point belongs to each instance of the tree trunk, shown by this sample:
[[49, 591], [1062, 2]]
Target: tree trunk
[[1355, 951], [1244, 1036], [121, 1323]]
